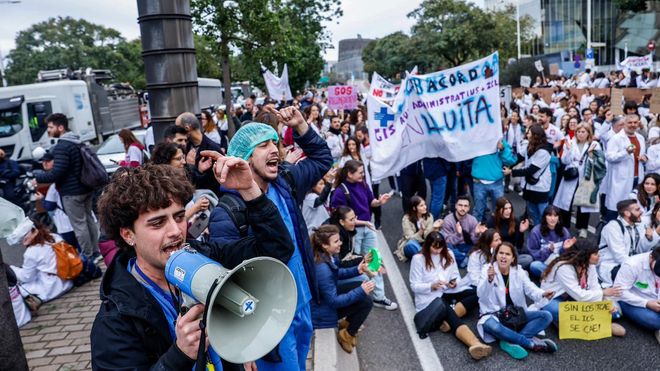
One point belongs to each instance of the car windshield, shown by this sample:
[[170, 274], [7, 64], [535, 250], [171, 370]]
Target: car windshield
[[114, 145], [11, 121]]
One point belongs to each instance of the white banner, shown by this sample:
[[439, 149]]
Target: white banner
[[453, 114], [638, 62], [278, 87], [381, 88]]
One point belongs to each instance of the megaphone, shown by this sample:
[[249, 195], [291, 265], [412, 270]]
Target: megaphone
[[252, 305]]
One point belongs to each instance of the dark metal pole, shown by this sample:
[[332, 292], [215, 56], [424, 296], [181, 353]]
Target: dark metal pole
[[170, 67], [12, 355]]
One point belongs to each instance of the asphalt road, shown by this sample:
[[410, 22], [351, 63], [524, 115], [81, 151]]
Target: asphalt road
[[385, 343]]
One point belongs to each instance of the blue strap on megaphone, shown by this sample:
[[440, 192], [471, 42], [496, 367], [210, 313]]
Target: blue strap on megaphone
[[201, 353]]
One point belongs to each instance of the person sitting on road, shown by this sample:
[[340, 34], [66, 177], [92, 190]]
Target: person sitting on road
[[504, 286], [480, 255], [647, 193], [511, 229], [623, 237], [434, 279], [21, 311], [461, 230], [639, 280], [416, 223], [547, 240], [351, 302], [573, 277], [38, 275]]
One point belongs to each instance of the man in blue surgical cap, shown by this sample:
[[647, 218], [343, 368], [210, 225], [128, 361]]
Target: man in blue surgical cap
[[286, 185]]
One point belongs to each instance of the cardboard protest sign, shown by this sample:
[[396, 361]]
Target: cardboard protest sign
[[539, 65], [525, 81], [655, 101], [584, 320], [554, 69], [452, 114], [381, 88], [616, 100], [342, 97]]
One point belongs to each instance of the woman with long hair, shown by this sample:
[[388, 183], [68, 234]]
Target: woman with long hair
[[573, 277], [547, 240], [314, 119], [480, 255], [209, 128], [434, 279], [504, 284], [350, 302], [578, 153], [416, 223], [510, 228], [38, 275], [647, 194], [353, 151], [536, 174], [132, 147]]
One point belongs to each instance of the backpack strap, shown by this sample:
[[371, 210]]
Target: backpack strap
[[347, 194], [236, 210], [623, 232]]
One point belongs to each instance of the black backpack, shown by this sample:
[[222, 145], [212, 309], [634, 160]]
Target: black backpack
[[599, 230], [92, 173]]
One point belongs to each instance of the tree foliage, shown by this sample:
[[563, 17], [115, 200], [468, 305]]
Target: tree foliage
[[73, 43], [631, 5]]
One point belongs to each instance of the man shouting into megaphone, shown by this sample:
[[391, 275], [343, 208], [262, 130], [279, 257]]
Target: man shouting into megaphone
[[140, 324]]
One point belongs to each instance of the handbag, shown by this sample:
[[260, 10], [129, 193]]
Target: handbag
[[583, 193], [513, 317], [571, 173]]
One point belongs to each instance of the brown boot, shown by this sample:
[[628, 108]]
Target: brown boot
[[345, 340], [444, 327], [460, 310], [343, 324], [477, 349]]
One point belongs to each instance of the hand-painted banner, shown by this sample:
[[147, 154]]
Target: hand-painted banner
[[638, 62], [585, 320], [381, 88], [342, 97], [453, 114], [278, 87]]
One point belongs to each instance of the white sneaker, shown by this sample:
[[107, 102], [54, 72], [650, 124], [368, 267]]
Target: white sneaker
[[657, 336], [386, 304]]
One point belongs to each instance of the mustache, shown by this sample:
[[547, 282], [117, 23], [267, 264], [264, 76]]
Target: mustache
[[175, 243]]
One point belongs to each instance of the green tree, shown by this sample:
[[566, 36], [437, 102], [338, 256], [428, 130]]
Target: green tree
[[389, 56], [72, 43]]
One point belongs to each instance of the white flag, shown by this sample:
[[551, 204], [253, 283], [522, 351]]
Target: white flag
[[278, 87]]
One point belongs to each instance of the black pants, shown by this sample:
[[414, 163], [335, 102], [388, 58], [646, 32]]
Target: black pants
[[411, 185], [581, 219], [375, 189], [468, 298], [430, 318], [357, 312]]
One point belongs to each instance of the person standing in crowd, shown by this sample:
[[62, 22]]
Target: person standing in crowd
[[578, 154], [210, 129], [362, 135], [349, 302], [488, 177], [168, 154], [552, 133], [510, 229], [461, 230], [257, 144], [142, 210], [416, 224], [334, 139], [573, 277], [504, 284], [221, 122], [9, 172], [250, 110], [197, 141], [177, 135], [639, 280], [352, 151], [623, 237], [434, 279], [547, 240], [66, 174], [314, 208], [536, 174], [435, 171], [133, 148], [625, 155]]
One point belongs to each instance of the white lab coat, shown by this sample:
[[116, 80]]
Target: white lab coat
[[492, 295], [335, 144], [563, 279], [38, 276], [476, 262], [422, 278], [638, 281], [653, 154], [571, 157], [617, 247], [620, 166]]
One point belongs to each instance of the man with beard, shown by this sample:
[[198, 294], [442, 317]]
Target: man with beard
[[66, 174], [286, 185], [139, 324], [623, 237]]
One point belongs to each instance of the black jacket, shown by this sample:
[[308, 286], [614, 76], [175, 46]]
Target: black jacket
[[130, 330], [67, 168]]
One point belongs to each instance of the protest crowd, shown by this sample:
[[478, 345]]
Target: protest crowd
[[295, 183]]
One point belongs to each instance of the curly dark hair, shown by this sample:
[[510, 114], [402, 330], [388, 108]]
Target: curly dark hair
[[163, 153], [138, 190]]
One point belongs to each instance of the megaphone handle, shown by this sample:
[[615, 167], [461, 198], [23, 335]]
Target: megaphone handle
[[201, 352]]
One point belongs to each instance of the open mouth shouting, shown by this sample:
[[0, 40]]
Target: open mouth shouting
[[272, 163], [172, 247]]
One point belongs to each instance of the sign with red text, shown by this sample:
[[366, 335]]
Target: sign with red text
[[342, 97]]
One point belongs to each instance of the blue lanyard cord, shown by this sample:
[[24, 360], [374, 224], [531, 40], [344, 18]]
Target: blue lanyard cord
[[158, 289]]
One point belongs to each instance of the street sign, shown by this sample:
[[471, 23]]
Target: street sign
[[590, 53]]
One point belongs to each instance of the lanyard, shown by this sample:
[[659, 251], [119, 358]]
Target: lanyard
[[633, 243], [157, 289]]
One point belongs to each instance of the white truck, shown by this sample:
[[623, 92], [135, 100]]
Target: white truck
[[95, 111]]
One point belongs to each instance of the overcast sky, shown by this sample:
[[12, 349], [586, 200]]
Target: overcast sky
[[371, 19]]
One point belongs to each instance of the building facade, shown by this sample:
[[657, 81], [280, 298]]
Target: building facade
[[349, 65]]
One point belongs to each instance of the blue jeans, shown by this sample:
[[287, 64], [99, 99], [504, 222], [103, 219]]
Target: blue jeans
[[482, 192], [537, 321], [460, 253], [641, 316], [438, 189], [363, 241], [535, 211], [411, 248], [537, 268], [294, 346]]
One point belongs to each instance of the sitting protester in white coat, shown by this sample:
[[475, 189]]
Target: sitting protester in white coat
[[639, 278], [573, 277], [623, 237], [625, 155], [653, 156], [38, 275], [505, 285], [481, 255]]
